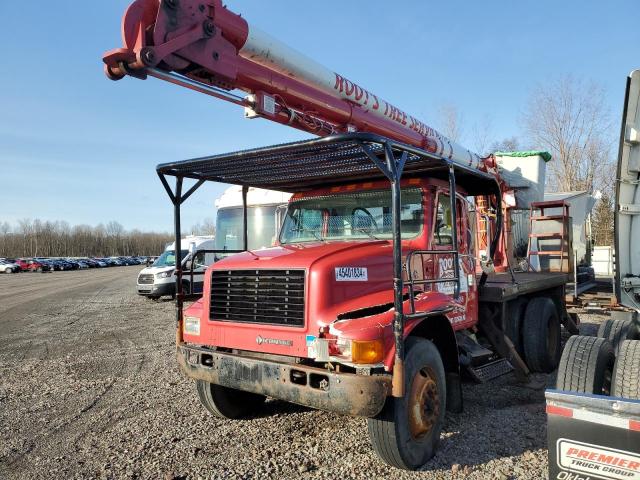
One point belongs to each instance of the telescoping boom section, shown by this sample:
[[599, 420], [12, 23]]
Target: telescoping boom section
[[202, 45]]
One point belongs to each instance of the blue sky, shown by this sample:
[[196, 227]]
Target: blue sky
[[77, 147]]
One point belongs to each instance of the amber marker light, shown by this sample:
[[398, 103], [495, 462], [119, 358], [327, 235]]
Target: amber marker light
[[366, 352]]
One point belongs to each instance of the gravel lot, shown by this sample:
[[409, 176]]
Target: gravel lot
[[89, 389]]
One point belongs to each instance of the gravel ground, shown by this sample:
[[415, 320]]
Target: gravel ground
[[89, 388]]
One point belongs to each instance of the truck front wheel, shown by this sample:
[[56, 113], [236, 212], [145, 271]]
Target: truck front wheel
[[227, 402], [407, 431]]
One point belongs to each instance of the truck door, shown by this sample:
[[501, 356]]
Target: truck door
[[444, 263]]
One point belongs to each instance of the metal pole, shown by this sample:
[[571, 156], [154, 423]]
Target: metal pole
[[398, 317], [245, 223], [575, 275], [178, 257]]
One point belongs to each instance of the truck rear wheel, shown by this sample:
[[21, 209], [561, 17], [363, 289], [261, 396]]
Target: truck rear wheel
[[407, 431], [516, 311], [626, 374], [618, 330], [225, 402], [541, 335], [586, 366]]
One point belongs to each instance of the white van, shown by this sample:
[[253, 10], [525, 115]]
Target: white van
[[159, 280]]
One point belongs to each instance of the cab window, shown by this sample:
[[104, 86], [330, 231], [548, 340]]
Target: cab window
[[442, 234]]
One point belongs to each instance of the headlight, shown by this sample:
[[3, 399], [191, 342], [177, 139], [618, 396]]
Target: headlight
[[365, 352], [166, 274], [191, 325]]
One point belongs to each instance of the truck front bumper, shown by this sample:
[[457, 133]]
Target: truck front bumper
[[156, 289], [345, 393]]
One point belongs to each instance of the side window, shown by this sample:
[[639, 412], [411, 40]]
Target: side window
[[199, 260], [471, 228], [442, 231]]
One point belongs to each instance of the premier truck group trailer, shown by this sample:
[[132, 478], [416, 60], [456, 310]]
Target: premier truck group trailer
[[374, 301]]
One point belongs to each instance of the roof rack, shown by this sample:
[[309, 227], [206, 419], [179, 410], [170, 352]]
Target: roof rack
[[337, 159]]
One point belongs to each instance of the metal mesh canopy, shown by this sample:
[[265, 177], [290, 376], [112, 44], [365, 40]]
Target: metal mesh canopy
[[333, 160]]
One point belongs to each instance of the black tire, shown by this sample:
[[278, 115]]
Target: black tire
[[605, 328], [619, 330], [227, 402], [396, 439], [541, 335], [516, 311], [586, 366], [626, 374]]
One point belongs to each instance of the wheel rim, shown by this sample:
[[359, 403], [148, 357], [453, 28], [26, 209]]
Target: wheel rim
[[424, 403]]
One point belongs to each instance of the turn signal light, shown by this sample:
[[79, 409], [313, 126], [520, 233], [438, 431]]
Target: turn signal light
[[366, 352]]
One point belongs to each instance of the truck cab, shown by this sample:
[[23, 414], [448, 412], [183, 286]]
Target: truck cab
[[327, 279]]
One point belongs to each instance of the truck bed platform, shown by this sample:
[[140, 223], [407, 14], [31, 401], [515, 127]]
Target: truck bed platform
[[500, 286]]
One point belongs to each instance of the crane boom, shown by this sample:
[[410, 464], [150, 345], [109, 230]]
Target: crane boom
[[202, 45]]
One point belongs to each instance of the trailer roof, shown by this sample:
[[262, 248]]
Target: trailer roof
[[333, 160]]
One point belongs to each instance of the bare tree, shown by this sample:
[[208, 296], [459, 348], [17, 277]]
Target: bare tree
[[511, 144], [570, 119], [602, 221], [450, 121], [482, 133], [206, 227], [58, 239]]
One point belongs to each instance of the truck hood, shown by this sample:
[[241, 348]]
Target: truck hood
[[627, 209], [300, 255]]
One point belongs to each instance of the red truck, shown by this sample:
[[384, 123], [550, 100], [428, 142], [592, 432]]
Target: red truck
[[376, 299]]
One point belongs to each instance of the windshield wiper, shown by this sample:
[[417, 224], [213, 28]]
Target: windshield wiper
[[366, 232], [300, 228]]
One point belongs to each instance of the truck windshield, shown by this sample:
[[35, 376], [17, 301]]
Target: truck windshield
[[168, 258], [261, 232], [351, 216]]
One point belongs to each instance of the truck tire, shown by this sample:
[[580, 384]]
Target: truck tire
[[617, 331], [516, 311], [407, 431], [626, 374], [541, 335], [586, 366], [225, 402]]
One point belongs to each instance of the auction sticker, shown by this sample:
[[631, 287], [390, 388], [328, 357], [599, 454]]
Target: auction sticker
[[351, 274], [598, 461]]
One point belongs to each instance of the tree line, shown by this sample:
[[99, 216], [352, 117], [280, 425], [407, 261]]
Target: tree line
[[38, 238]]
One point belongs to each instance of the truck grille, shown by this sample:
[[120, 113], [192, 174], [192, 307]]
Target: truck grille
[[258, 296], [145, 278]]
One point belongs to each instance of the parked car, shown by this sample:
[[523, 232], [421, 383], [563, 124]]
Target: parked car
[[9, 267], [31, 265]]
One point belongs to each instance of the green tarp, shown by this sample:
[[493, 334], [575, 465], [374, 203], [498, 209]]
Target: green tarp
[[546, 156]]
